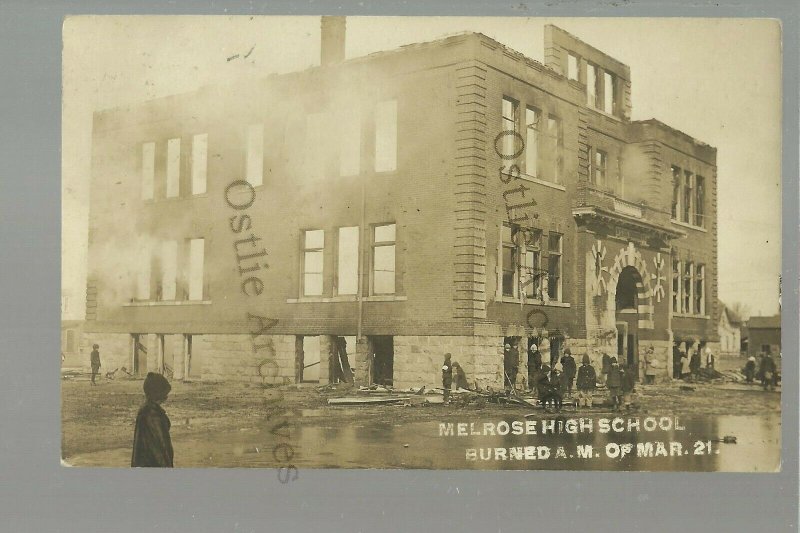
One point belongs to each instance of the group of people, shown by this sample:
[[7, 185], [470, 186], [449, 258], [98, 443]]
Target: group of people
[[767, 371], [553, 382], [686, 360]]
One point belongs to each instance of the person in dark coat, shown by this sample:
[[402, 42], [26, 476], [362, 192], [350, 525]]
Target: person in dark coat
[[587, 382], [570, 369], [676, 361], [628, 386], [461, 377], [548, 387], [750, 369], [447, 376], [534, 367], [95, 362], [694, 362], [768, 372], [606, 366], [510, 366], [614, 384], [152, 445]]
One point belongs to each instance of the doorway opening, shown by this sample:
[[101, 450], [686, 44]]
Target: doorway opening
[[307, 358], [139, 356], [627, 318], [343, 351], [382, 368]]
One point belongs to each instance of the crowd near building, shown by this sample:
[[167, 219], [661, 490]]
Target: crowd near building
[[449, 196]]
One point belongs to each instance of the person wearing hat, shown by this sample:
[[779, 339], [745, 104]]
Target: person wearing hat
[[534, 366], [152, 446], [570, 369], [447, 376], [95, 362], [587, 382], [510, 366], [548, 388], [614, 384]]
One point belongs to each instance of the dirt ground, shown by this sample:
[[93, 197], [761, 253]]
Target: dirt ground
[[97, 418]]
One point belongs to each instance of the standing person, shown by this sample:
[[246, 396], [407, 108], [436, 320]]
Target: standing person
[[628, 387], [586, 383], [614, 384], [461, 377], [685, 368], [694, 361], [95, 362], [447, 376], [510, 366], [152, 445], [676, 361], [549, 388], [649, 366], [606, 366], [750, 369], [568, 363], [709, 359], [535, 367], [768, 371]]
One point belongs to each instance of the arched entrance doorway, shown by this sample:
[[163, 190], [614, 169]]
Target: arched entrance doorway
[[629, 287]]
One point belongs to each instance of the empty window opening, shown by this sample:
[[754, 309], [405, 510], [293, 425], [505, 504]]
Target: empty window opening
[[600, 168], [196, 258], [382, 367], [627, 289], [555, 251], [591, 85], [148, 170], [255, 154], [510, 116], [554, 149], [347, 261], [383, 259], [572, 67], [609, 93], [313, 245], [386, 136], [532, 117], [193, 366], [308, 358], [350, 147], [169, 270], [173, 167], [199, 163]]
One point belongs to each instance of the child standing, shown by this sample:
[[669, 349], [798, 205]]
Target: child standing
[[587, 382], [614, 384], [152, 445]]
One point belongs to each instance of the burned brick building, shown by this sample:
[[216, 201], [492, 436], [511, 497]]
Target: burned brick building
[[450, 196]]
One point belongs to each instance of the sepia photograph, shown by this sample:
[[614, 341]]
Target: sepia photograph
[[444, 243]]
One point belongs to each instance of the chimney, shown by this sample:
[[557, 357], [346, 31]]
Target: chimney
[[332, 40]]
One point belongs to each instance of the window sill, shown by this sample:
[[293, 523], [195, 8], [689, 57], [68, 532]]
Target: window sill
[[687, 225], [166, 303], [684, 315], [376, 298], [603, 113], [545, 183], [320, 299], [511, 300]]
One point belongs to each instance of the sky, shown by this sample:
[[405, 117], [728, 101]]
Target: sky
[[717, 80]]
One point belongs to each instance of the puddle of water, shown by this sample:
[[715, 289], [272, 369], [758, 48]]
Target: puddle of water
[[418, 445]]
